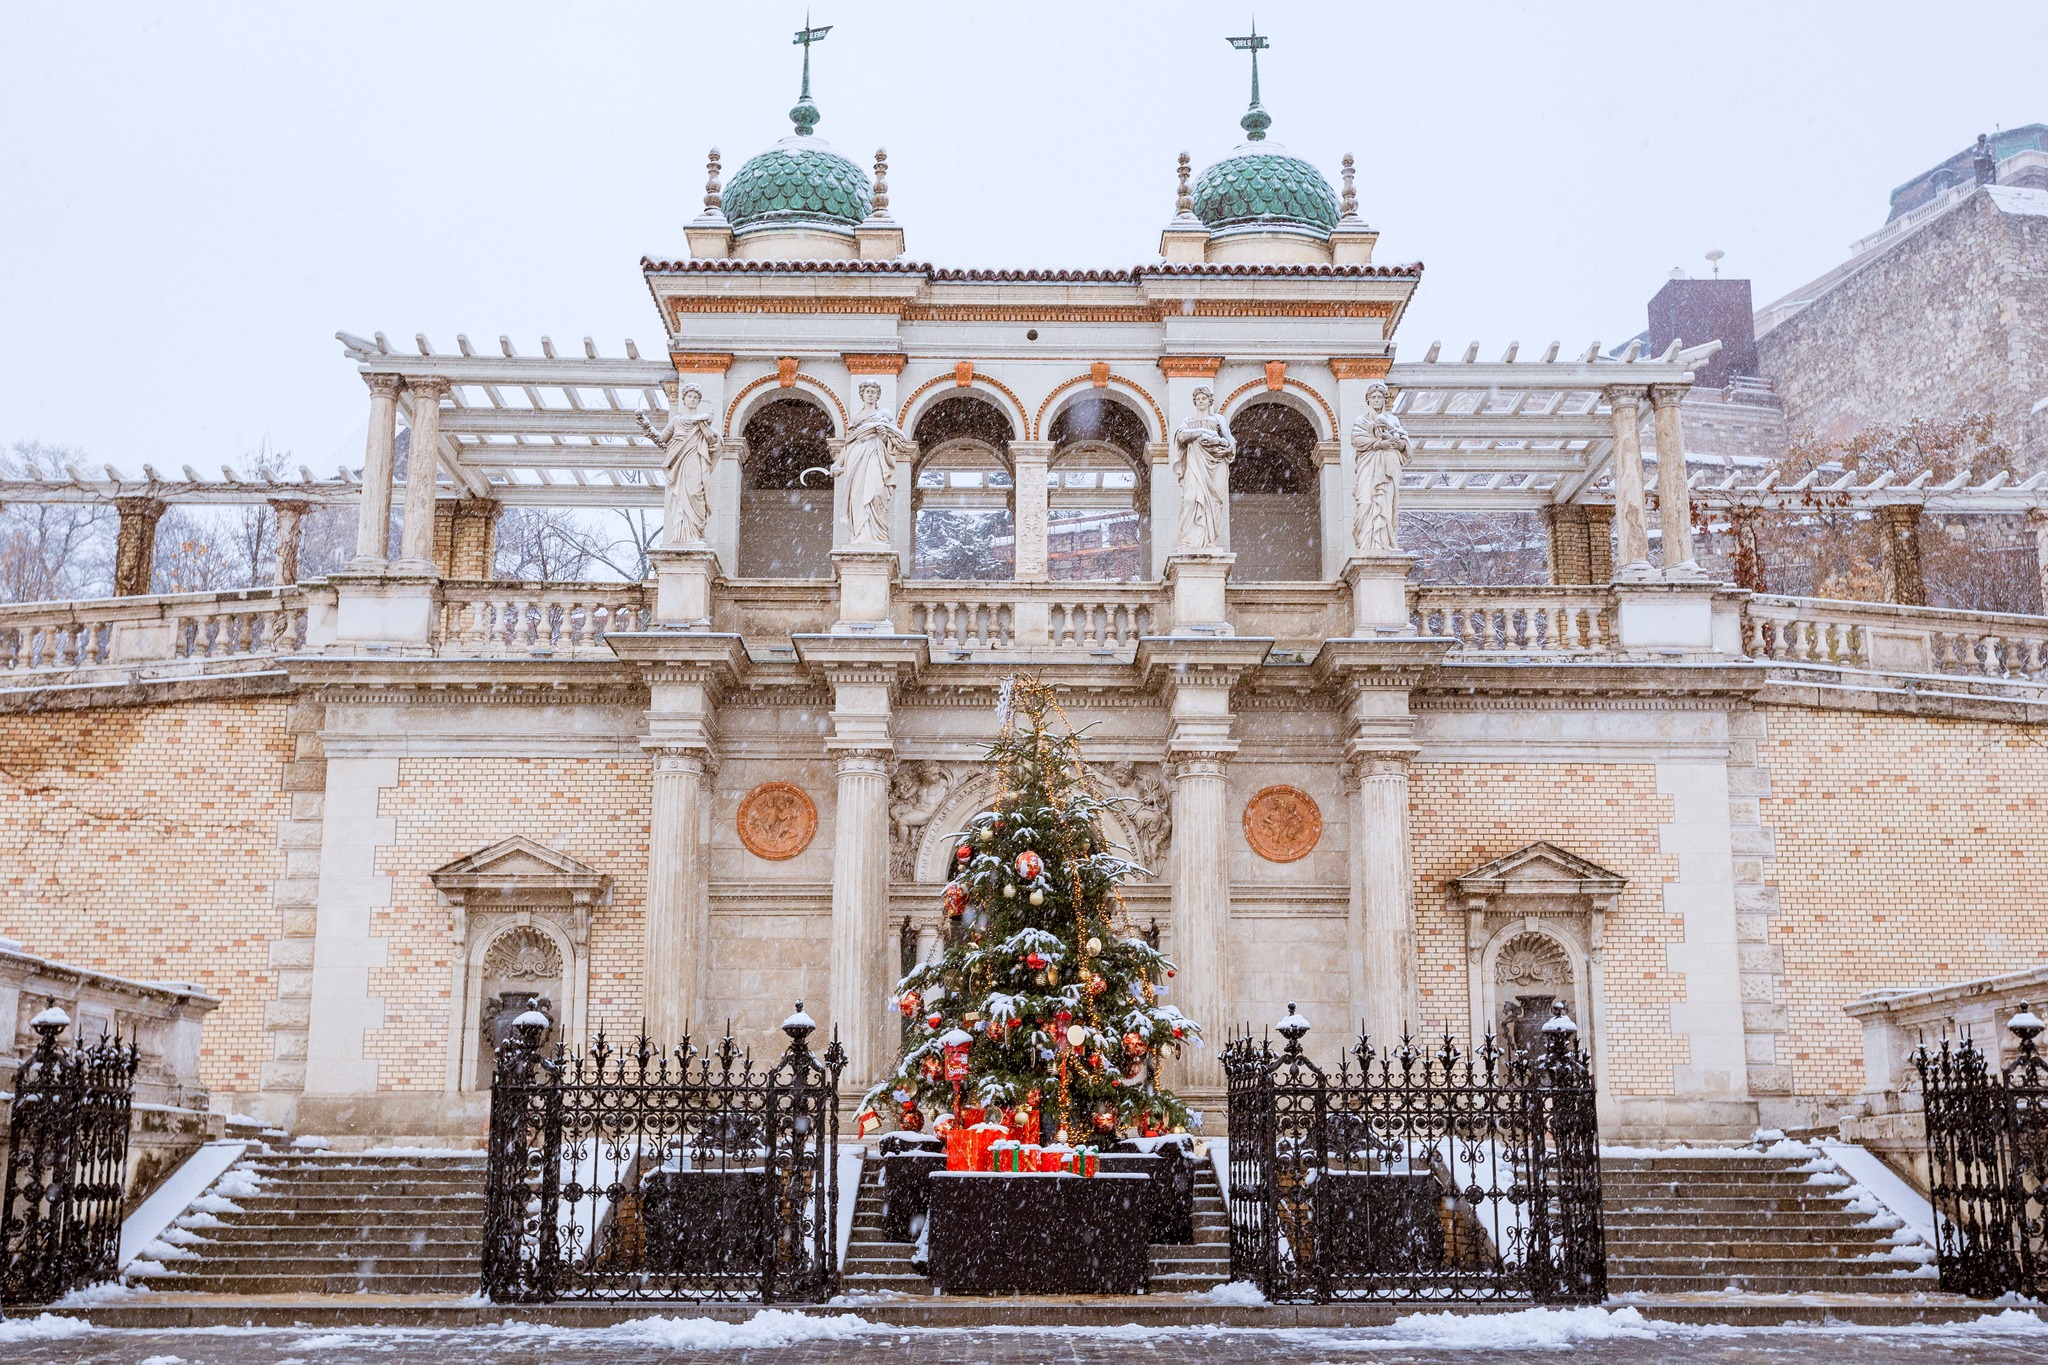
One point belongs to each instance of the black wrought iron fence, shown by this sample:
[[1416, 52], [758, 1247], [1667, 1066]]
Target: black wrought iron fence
[[67, 1163], [652, 1175], [1439, 1174], [1987, 1160]]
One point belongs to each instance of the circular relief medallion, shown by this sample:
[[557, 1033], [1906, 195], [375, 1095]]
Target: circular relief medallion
[[777, 821], [1282, 824]]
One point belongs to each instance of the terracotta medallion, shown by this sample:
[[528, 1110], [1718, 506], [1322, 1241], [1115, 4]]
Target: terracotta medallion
[[1282, 824], [777, 821]]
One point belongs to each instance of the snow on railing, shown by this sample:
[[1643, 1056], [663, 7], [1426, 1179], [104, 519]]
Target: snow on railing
[[119, 638], [485, 620], [1882, 637], [1518, 621]]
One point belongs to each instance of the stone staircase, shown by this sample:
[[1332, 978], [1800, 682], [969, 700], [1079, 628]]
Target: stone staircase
[[874, 1266], [320, 1223], [1680, 1224]]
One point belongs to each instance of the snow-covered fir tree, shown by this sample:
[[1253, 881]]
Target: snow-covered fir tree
[[1058, 1004]]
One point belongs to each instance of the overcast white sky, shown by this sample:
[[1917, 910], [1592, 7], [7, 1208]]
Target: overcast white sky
[[195, 196]]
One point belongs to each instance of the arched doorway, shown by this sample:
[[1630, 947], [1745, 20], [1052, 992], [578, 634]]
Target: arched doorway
[[1275, 514], [1096, 524], [786, 520], [963, 505]]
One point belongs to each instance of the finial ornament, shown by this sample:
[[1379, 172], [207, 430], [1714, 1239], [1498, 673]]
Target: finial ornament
[[879, 201], [805, 115], [1256, 120], [1184, 201], [713, 195], [1349, 206]]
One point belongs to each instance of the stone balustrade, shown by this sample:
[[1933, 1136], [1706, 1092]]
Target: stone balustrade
[[136, 639], [1884, 638], [510, 619], [1518, 621]]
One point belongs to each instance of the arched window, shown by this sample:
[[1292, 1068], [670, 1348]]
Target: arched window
[[963, 512], [1275, 509], [1096, 523], [786, 520]]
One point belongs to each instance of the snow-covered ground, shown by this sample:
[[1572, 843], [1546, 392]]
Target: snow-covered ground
[[1585, 1336]]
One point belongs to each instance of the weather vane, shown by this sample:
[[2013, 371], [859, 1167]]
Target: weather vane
[[805, 116], [1256, 120]]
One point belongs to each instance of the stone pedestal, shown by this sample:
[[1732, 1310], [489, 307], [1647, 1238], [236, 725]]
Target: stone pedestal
[[1379, 592], [1678, 618], [373, 609], [866, 578], [682, 585], [1197, 581]]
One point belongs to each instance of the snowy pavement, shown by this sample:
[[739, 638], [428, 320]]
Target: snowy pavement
[[1587, 1336]]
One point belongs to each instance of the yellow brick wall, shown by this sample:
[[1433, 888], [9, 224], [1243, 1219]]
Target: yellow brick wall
[[143, 841], [1909, 853], [1467, 814], [594, 810]]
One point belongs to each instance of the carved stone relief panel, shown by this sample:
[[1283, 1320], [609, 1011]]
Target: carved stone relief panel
[[1283, 824], [777, 820]]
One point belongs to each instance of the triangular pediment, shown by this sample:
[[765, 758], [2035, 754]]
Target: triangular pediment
[[515, 860], [1540, 866]]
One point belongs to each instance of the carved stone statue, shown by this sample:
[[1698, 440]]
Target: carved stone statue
[[915, 796], [691, 450], [866, 468], [1381, 444], [1202, 451], [1149, 811]]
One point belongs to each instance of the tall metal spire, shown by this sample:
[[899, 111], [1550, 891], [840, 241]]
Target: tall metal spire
[[1256, 120], [805, 115]]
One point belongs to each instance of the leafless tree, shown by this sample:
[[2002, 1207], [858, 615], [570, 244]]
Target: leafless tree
[[52, 552], [541, 543], [1481, 548]]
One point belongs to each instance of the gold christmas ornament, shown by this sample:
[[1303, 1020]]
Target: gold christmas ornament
[[1094, 946], [1038, 898], [1009, 893]]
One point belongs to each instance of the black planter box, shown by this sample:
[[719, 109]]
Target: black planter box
[[1039, 1234]]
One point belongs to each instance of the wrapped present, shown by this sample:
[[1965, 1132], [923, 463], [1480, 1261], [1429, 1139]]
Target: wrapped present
[[981, 1141], [971, 1114], [1087, 1161], [1055, 1158], [1007, 1157], [958, 1148]]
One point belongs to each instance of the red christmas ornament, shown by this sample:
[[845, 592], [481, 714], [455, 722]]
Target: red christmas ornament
[[933, 1019], [1169, 971], [1134, 1046], [956, 899], [1105, 1119], [965, 852], [1176, 1030], [932, 1066], [1096, 985], [1029, 865], [912, 1120], [1035, 961], [908, 1004]]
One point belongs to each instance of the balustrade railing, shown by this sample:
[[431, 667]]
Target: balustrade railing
[[1882, 637], [161, 636], [1518, 620], [490, 619], [1080, 618]]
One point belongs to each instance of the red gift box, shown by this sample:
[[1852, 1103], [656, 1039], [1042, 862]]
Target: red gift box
[[1007, 1157], [957, 1149], [1086, 1162], [981, 1141], [1055, 1158]]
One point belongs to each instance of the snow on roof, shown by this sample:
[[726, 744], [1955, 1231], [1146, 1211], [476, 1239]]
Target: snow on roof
[[2019, 199]]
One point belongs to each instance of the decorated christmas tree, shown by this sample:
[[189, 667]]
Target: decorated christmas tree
[[1047, 1013]]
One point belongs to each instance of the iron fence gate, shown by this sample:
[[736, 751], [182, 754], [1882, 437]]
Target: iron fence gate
[[1423, 1175], [1987, 1159], [651, 1175], [67, 1163]]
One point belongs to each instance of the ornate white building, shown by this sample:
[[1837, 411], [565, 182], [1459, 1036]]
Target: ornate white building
[[1702, 819]]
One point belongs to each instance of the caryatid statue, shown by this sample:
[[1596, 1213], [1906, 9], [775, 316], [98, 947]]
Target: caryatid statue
[[690, 450], [866, 467], [1381, 444], [1202, 451]]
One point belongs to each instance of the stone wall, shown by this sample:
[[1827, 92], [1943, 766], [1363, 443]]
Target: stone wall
[[1951, 319], [143, 841], [1908, 854]]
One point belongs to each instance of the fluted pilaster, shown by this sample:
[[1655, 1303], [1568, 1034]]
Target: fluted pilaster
[[1201, 906], [861, 942], [678, 928]]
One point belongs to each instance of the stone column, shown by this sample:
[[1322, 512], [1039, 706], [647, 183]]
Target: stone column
[[1201, 906], [1632, 535], [1751, 573], [1898, 566], [291, 525], [135, 545], [1028, 461], [422, 470], [1674, 495], [373, 513], [1382, 900], [860, 913], [2038, 519], [678, 921]]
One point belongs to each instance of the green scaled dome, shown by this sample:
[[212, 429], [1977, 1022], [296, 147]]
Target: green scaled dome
[[798, 180], [1260, 183]]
